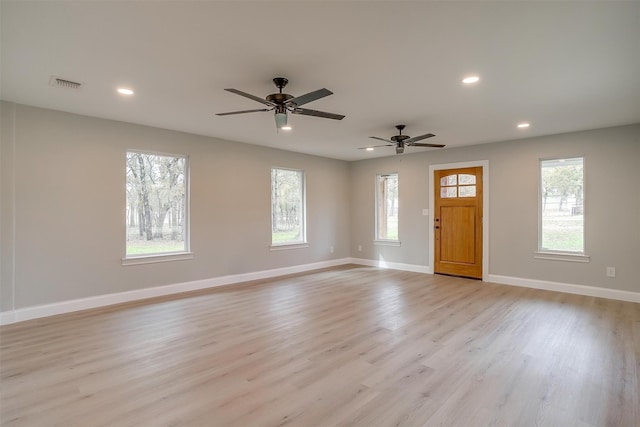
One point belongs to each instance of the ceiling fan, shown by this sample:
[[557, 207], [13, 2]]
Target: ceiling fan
[[283, 103], [400, 141]]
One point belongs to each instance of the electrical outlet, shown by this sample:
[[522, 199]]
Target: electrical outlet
[[611, 272], [359, 248], [331, 249]]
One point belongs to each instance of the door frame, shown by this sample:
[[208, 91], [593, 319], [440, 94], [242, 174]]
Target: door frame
[[485, 210]]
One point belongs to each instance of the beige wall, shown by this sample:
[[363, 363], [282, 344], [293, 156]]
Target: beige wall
[[69, 178], [7, 120], [62, 206], [612, 205]]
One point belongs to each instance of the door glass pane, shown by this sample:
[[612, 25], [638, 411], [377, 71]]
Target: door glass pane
[[465, 179], [448, 192], [468, 191], [448, 180]]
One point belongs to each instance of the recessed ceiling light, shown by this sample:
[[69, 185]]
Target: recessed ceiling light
[[286, 128], [125, 91], [470, 79], [523, 125], [369, 148]]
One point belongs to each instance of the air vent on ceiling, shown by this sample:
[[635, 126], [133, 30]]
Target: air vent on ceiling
[[64, 83]]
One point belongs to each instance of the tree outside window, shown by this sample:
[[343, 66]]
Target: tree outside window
[[287, 207], [387, 207], [157, 204], [562, 205]]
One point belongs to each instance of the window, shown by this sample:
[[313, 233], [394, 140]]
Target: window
[[387, 207], [287, 207], [157, 204], [458, 185], [561, 206]]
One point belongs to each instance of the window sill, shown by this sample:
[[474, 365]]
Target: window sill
[[561, 256], [387, 242], [287, 246], [156, 258]]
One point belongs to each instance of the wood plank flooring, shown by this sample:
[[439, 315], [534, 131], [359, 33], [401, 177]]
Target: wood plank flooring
[[349, 346]]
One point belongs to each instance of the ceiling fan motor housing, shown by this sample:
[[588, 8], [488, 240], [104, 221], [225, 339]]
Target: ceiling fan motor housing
[[399, 138], [279, 98]]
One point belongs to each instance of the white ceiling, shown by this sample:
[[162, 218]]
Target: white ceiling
[[563, 66]]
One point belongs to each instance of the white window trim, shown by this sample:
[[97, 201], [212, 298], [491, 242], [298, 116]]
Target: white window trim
[[287, 246], [387, 242], [562, 256], [555, 254], [298, 244], [157, 258], [376, 239], [152, 258]]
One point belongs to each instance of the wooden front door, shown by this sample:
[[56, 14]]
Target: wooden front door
[[458, 222]]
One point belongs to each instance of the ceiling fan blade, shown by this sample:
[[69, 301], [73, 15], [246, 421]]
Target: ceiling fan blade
[[418, 138], [311, 96], [315, 113], [242, 112], [418, 144], [248, 95], [375, 146], [383, 139]]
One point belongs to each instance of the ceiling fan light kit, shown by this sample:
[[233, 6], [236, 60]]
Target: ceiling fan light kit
[[281, 117], [282, 104]]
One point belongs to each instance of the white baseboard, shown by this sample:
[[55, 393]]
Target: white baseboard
[[568, 288], [62, 307], [393, 265], [6, 317]]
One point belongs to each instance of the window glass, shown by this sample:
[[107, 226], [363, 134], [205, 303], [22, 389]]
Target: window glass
[[467, 190], [562, 205], [448, 180], [466, 179], [387, 207], [448, 192], [461, 185], [157, 201], [287, 207]]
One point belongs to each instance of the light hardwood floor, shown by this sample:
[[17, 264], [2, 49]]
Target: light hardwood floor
[[349, 346]]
